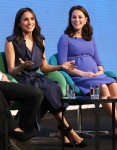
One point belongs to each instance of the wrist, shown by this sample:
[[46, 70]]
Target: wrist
[[60, 67], [18, 69], [100, 71]]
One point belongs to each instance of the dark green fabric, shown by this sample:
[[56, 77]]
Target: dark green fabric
[[3, 64]]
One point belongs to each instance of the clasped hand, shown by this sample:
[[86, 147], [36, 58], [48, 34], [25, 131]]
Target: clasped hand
[[91, 74]]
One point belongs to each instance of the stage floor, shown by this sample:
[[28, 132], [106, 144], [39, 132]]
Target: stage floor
[[49, 125]]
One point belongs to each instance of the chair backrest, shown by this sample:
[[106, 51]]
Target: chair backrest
[[3, 64], [53, 60], [111, 74]]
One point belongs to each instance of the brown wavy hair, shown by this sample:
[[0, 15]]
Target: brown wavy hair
[[87, 30], [17, 31]]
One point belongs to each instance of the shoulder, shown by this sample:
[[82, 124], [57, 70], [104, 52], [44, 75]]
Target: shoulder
[[10, 38], [42, 37], [93, 39], [64, 37]]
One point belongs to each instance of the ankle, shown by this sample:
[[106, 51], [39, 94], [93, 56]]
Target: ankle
[[68, 129], [18, 130]]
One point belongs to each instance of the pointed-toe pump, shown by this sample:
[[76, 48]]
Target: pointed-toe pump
[[82, 144]]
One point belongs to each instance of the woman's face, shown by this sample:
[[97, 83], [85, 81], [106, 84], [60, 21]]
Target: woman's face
[[27, 22], [78, 20]]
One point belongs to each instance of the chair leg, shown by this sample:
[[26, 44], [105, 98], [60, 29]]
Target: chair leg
[[86, 133], [3, 130], [79, 118]]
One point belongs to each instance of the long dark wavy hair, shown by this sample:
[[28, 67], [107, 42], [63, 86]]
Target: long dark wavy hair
[[17, 31], [87, 30]]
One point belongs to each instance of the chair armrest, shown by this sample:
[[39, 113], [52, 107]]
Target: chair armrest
[[111, 74], [11, 78], [70, 81], [59, 78]]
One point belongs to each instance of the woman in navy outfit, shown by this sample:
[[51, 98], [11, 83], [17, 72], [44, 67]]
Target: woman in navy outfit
[[25, 54]]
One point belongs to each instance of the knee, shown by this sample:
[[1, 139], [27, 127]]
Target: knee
[[38, 95], [104, 91]]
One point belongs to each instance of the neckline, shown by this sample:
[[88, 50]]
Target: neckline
[[80, 38]]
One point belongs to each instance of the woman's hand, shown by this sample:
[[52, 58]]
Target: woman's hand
[[25, 64], [69, 65], [99, 73], [4, 77], [89, 74]]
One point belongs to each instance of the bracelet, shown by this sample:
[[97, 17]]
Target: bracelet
[[18, 70]]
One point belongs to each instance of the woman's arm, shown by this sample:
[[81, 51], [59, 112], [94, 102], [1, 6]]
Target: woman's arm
[[100, 71], [10, 58], [45, 67], [97, 60]]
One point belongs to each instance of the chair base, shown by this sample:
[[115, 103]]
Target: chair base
[[83, 134], [92, 133], [54, 135]]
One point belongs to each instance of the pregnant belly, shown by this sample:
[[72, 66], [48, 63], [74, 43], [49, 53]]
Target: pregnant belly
[[86, 63]]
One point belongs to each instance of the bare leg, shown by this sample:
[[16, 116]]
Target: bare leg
[[18, 129], [73, 135], [113, 91], [109, 91]]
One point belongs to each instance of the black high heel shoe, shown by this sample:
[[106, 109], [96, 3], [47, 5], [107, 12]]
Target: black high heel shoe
[[21, 136], [69, 144], [82, 144]]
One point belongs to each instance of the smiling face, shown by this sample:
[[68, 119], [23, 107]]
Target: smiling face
[[27, 22], [78, 20]]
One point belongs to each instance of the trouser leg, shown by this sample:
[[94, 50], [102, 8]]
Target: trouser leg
[[30, 98], [6, 115], [33, 103]]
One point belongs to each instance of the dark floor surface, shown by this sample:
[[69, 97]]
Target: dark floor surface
[[49, 125]]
